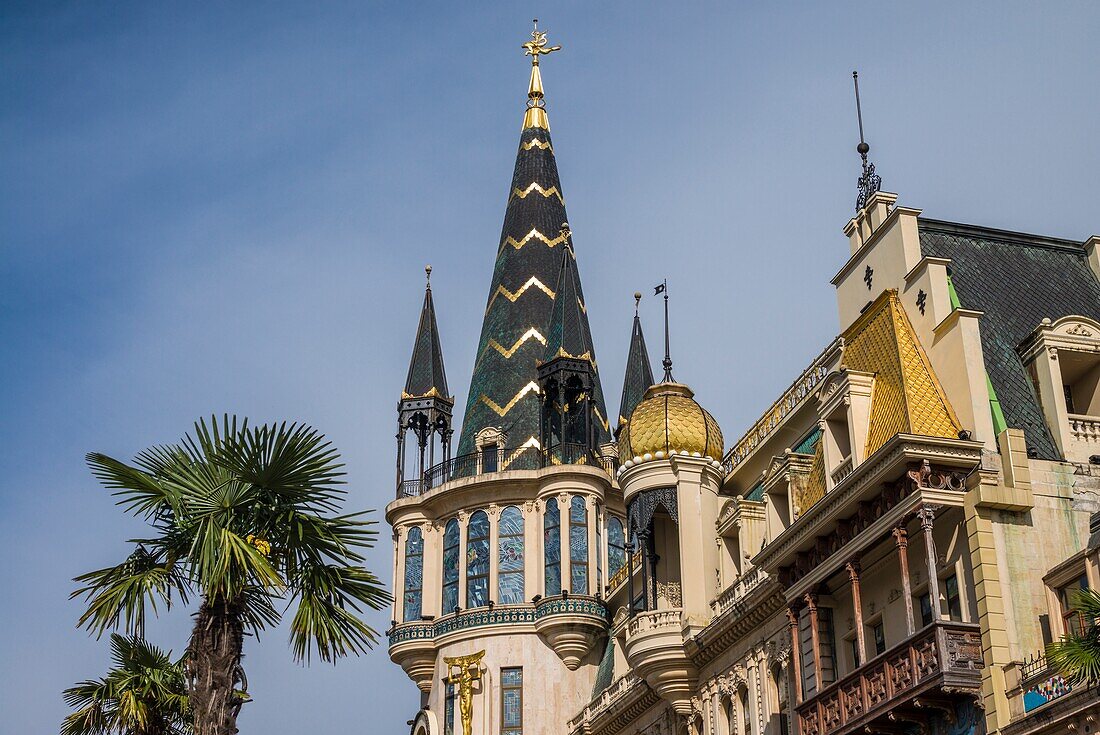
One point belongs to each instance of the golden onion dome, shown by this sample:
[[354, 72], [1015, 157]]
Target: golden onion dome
[[668, 419]]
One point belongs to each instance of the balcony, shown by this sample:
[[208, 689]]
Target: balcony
[[526, 457], [741, 587], [840, 474], [614, 707], [571, 626], [655, 650], [1085, 429], [929, 672], [1042, 702]]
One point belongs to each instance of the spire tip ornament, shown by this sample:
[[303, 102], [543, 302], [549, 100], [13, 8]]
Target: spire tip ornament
[[536, 107], [428, 274], [869, 182]]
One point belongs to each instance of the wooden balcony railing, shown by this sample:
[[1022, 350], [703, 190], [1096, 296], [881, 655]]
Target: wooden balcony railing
[[943, 661]]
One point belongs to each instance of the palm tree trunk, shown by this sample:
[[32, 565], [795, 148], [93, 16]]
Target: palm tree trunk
[[214, 667]]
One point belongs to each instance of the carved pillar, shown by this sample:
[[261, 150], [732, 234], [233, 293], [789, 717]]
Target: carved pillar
[[927, 514], [901, 540], [854, 569], [815, 637], [796, 653]]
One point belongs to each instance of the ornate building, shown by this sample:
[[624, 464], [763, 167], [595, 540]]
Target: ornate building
[[886, 549]]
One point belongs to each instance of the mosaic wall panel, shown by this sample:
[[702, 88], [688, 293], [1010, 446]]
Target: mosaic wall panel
[[414, 576]]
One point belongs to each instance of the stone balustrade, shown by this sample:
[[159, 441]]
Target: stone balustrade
[[1085, 429], [741, 587]]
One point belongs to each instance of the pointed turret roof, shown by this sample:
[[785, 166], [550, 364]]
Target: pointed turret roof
[[568, 334], [426, 374], [639, 371], [516, 327]]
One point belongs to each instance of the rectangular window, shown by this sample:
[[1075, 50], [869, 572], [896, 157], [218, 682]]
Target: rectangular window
[[878, 634], [1072, 621], [511, 701], [449, 711], [489, 458], [853, 648], [926, 609], [954, 602]]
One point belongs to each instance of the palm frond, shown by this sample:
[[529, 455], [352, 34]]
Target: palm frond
[[1077, 655], [119, 594], [325, 622]]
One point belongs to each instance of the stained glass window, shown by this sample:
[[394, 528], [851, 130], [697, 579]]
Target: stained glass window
[[599, 550], [477, 560], [414, 575], [511, 701], [551, 544], [449, 711], [510, 557], [578, 546], [616, 546], [450, 566]]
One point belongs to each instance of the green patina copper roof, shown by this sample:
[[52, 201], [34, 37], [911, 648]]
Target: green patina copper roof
[[606, 669], [516, 330], [808, 444], [1016, 280], [639, 373], [426, 374]]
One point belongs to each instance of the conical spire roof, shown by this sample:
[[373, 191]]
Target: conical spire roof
[[639, 371], [568, 334], [516, 327], [426, 374]]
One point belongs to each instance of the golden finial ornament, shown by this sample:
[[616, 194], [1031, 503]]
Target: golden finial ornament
[[536, 47]]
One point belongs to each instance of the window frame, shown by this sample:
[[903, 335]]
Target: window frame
[[502, 538], [405, 588], [505, 729]]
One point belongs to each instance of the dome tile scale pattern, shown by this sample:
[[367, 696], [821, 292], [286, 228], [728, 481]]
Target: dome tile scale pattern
[[669, 419]]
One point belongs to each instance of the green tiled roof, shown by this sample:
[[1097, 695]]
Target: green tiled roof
[[1017, 281], [606, 669], [756, 492], [807, 445]]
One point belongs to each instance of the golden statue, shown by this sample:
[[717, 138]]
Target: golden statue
[[462, 672], [535, 116]]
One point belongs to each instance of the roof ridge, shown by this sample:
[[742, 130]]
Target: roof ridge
[[1010, 237]]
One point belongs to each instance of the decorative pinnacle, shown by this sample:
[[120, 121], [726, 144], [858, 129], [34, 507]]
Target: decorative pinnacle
[[637, 301], [869, 182], [428, 273], [536, 47]]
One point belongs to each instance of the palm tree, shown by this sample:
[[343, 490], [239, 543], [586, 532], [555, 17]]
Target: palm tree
[[144, 693], [1077, 655], [246, 519]]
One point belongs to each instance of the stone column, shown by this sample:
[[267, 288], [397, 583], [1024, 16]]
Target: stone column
[[854, 568], [594, 561], [927, 514], [493, 512], [463, 521], [815, 637], [398, 573], [796, 655], [901, 540], [433, 570], [562, 500]]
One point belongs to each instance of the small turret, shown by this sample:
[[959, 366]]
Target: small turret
[[639, 371], [426, 406]]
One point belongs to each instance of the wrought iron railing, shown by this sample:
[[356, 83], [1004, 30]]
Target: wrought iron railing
[[486, 461], [1040, 682]]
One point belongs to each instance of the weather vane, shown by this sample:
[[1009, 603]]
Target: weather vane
[[537, 45], [869, 182]]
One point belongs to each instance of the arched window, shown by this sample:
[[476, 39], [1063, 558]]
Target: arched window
[[450, 567], [599, 550], [414, 575], [730, 715], [477, 560], [551, 545], [510, 557], [616, 546], [578, 546], [744, 718], [777, 680]]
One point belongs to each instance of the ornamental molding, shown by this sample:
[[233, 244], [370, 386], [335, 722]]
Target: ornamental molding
[[1074, 333]]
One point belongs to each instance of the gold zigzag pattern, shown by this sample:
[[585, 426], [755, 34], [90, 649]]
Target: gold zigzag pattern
[[534, 234], [531, 442], [582, 306], [536, 143], [535, 186], [513, 295], [502, 410], [532, 332], [603, 421]]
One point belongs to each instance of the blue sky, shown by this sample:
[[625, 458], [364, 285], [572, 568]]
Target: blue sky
[[227, 208]]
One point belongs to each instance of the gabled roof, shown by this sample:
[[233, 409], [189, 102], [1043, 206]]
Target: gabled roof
[[907, 397], [1016, 280], [639, 373], [427, 376]]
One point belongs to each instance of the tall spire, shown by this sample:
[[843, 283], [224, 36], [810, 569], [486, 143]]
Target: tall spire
[[869, 181], [504, 388], [427, 376], [639, 372], [568, 335]]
